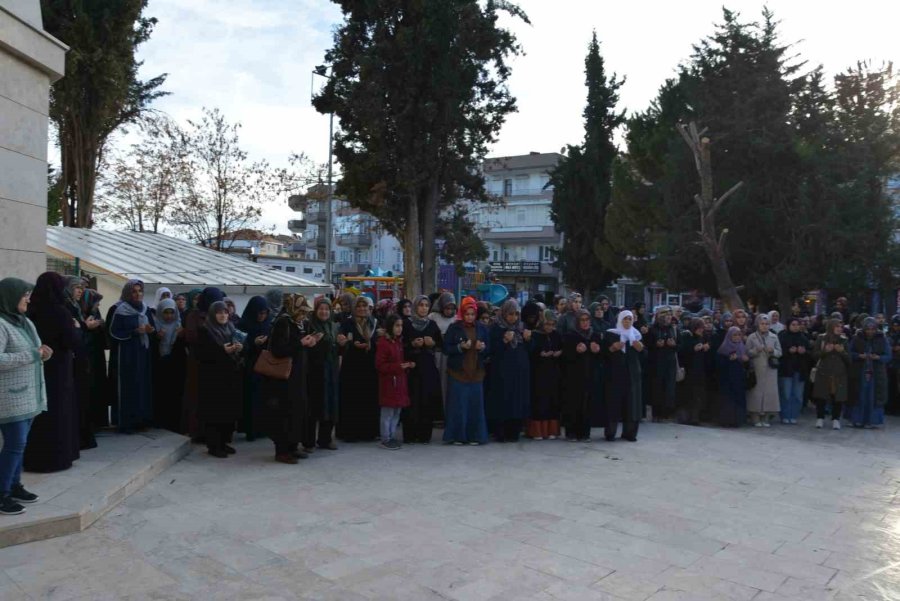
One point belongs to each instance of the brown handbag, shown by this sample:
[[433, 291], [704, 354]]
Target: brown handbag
[[270, 366]]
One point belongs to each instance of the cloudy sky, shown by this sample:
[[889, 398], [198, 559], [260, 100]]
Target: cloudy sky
[[253, 58]]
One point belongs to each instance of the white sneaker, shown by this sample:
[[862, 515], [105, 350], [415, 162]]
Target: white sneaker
[[793, 421], [820, 423], [835, 424], [766, 425], [758, 425]]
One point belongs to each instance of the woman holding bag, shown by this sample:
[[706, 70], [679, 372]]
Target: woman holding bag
[[764, 350]]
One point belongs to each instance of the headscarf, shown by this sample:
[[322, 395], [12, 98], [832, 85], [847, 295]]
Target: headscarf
[[574, 296], [366, 325], [418, 323], [11, 292], [467, 303], [193, 294], [158, 296], [445, 299], [328, 328], [168, 331], [760, 318], [90, 299], [127, 308], [730, 346], [869, 322], [660, 311], [250, 323], [73, 282], [347, 300], [482, 308], [208, 297], [221, 333], [597, 323], [628, 335], [549, 316], [402, 304], [384, 308], [511, 307], [529, 311], [584, 333], [275, 300], [296, 305]]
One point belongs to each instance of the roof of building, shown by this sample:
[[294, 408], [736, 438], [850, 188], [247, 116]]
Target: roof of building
[[532, 160], [161, 259]]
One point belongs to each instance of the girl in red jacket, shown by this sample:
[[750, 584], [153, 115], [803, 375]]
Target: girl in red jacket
[[392, 391]]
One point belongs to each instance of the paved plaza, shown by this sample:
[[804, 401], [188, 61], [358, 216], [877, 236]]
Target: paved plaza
[[685, 513]]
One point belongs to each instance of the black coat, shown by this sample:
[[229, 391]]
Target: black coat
[[359, 409], [220, 381], [424, 380], [794, 363], [623, 378], [284, 402], [546, 374], [582, 379]]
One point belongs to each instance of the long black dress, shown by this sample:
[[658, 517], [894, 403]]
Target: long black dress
[[168, 386], [53, 442], [624, 399], [221, 390], [424, 384], [545, 377], [698, 366], [508, 403], [359, 409], [95, 341], [283, 402], [582, 379], [83, 378], [663, 364]]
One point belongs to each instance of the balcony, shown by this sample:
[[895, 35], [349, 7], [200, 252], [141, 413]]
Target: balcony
[[298, 226], [354, 239], [351, 268], [316, 214], [298, 202]]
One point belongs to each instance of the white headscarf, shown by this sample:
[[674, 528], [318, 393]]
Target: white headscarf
[[159, 293], [628, 335]]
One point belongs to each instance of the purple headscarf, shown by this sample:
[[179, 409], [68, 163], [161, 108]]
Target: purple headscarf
[[729, 346]]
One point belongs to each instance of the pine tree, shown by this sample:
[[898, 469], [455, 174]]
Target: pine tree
[[582, 182]]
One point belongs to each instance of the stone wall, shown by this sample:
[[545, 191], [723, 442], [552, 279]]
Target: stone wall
[[30, 60]]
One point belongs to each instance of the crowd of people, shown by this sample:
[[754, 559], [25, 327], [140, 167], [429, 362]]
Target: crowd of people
[[308, 374]]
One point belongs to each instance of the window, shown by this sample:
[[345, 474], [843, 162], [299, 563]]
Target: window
[[290, 269], [507, 187], [546, 254], [520, 216], [495, 255], [278, 267], [307, 270]]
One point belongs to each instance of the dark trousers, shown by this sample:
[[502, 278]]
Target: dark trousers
[[836, 409], [317, 432], [418, 425], [579, 428], [507, 430], [629, 430], [218, 434]]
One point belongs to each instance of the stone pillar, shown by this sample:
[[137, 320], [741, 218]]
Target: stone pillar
[[30, 60]]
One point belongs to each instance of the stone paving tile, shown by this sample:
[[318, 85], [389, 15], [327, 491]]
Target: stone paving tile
[[691, 514]]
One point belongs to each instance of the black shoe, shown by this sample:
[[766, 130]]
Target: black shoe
[[229, 449], [220, 453], [10, 507], [300, 454], [18, 493]]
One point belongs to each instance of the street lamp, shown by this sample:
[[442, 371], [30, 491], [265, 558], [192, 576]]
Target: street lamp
[[322, 71]]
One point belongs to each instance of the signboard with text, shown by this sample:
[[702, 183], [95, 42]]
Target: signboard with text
[[516, 267]]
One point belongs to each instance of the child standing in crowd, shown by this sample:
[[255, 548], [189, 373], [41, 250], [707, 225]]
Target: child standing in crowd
[[393, 395]]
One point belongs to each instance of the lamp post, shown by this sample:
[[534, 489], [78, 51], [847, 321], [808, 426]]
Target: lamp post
[[322, 71]]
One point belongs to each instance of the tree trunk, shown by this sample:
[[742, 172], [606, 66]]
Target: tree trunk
[[411, 250], [429, 252]]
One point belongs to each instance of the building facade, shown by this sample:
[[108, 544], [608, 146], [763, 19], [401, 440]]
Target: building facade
[[280, 253], [30, 60]]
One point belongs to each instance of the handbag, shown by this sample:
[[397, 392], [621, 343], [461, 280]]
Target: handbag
[[270, 366], [774, 362]]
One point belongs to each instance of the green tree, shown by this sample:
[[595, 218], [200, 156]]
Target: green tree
[[582, 182], [461, 243], [420, 90], [54, 197], [100, 92]]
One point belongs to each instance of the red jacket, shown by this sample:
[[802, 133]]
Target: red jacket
[[392, 391]]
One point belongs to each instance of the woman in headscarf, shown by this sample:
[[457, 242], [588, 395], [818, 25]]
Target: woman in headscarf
[[832, 355], [870, 353], [96, 344], [53, 442], [509, 391], [256, 322], [360, 412], [87, 325], [422, 338], [404, 309], [662, 347], [181, 302], [443, 313], [192, 324], [531, 315], [193, 300], [695, 355], [742, 321], [23, 391], [162, 293], [793, 368], [582, 378], [639, 310], [343, 309], [219, 356], [132, 327], [622, 349], [168, 367], [775, 325], [283, 414], [322, 381], [763, 346], [465, 346], [546, 353], [732, 361], [275, 301], [233, 316], [568, 322]]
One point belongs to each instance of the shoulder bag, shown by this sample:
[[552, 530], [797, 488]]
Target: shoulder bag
[[270, 366]]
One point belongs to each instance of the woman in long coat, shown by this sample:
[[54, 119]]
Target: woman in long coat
[[220, 379], [422, 338], [169, 365], [792, 371], [256, 322], [283, 408], [762, 400], [832, 355], [546, 359], [132, 325], [96, 346], [82, 369], [359, 379], [870, 353], [662, 347], [198, 308], [509, 396], [582, 370], [731, 362], [53, 442], [322, 380], [466, 345], [695, 354], [622, 348]]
